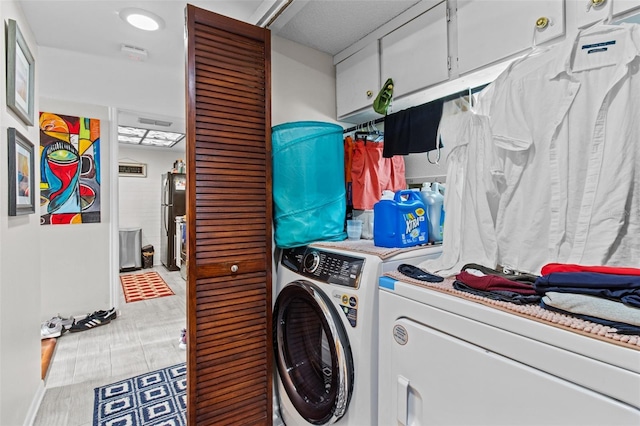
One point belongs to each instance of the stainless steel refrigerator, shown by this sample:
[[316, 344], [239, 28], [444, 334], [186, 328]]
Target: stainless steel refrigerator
[[174, 187]]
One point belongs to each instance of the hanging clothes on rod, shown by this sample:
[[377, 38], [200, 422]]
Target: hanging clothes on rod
[[413, 130], [359, 126], [370, 173]]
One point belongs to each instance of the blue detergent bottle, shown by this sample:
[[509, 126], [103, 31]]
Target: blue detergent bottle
[[433, 202], [401, 221]]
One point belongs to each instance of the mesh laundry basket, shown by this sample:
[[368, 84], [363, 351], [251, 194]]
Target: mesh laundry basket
[[308, 183]]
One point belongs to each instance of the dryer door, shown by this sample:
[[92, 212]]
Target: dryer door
[[312, 353]]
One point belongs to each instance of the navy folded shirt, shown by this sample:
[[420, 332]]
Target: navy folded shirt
[[625, 288]]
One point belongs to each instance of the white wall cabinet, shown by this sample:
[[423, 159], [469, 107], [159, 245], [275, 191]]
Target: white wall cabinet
[[415, 55], [479, 41], [358, 80], [588, 13]]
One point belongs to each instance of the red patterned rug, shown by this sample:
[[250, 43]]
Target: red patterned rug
[[147, 285]]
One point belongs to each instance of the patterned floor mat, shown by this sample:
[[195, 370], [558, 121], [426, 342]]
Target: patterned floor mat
[[155, 398], [147, 285]]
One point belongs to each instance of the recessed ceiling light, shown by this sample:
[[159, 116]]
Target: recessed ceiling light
[[142, 19]]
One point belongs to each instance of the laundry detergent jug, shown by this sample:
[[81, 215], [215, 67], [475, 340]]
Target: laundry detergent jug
[[400, 222]]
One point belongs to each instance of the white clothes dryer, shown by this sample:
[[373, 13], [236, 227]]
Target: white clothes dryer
[[325, 333], [449, 360]]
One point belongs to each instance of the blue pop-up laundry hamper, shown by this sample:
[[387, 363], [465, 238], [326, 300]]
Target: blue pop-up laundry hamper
[[308, 183]]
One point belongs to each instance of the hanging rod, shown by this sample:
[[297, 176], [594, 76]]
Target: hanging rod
[[444, 99], [354, 128]]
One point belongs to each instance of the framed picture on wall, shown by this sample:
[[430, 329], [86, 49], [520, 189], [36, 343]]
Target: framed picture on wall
[[20, 74], [132, 169], [21, 174]]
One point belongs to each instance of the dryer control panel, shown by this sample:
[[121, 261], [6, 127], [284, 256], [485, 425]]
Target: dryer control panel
[[324, 266]]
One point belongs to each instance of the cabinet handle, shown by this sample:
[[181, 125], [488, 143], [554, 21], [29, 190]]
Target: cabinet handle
[[234, 268], [543, 21], [369, 93], [390, 87], [598, 3]]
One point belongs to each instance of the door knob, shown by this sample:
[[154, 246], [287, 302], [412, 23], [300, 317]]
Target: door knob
[[234, 268], [542, 22]]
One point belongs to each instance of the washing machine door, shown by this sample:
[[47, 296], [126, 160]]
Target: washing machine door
[[312, 353]]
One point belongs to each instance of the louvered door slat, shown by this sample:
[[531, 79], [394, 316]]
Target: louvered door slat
[[229, 107], [221, 41], [210, 95], [214, 370], [226, 60], [226, 37], [226, 416], [235, 74], [229, 221]]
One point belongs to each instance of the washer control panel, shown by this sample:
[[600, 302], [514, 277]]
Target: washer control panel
[[324, 266]]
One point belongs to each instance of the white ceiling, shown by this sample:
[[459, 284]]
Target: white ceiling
[[94, 26]]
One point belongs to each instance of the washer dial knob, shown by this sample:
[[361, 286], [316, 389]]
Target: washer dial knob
[[311, 261]]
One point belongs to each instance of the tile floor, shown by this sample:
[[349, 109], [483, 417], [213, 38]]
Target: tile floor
[[143, 338]]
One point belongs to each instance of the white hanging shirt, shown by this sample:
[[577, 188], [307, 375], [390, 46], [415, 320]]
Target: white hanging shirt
[[569, 138], [468, 234]]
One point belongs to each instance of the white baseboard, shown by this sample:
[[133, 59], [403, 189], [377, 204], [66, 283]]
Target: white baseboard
[[35, 405]]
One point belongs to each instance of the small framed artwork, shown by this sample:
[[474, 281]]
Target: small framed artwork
[[21, 174], [20, 74], [132, 169]]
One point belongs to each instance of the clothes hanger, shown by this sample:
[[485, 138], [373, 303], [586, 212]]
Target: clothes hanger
[[379, 134], [602, 24]]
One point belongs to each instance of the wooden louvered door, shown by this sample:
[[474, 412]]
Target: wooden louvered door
[[229, 221]]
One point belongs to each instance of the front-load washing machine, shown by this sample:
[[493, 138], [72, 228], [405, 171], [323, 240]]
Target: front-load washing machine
[[325, 333]]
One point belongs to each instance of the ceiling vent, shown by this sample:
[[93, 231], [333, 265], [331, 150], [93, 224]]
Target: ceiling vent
[[154, 122], [134, 53]]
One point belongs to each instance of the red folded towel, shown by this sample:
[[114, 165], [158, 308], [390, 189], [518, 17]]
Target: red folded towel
[[495, 283], [568, 267]]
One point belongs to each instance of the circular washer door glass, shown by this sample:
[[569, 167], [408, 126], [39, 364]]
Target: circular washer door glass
[[312, 353]]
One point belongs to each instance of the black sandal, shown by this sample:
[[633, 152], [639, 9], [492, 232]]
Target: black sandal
[[418, 274]]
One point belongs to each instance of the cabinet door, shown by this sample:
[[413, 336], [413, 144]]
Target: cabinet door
[[491, 30], [587, 14], [415, 55], [358, 80], [229, 221]]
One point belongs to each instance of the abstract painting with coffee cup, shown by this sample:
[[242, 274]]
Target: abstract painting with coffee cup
[[69, 169]]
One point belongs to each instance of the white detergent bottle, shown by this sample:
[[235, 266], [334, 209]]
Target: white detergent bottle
[[439, 189], [433, 201]]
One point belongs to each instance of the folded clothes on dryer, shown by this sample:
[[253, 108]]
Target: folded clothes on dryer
[[525, 277], [568, 267], [620, 327], [494, 283], [625, 288], [503, 295], [593, 306]]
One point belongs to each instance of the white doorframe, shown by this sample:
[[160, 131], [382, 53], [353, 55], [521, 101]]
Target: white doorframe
[[114, 258]]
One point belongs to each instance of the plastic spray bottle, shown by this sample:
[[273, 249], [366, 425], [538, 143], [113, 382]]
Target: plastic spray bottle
[[433, 202], [439, 189]]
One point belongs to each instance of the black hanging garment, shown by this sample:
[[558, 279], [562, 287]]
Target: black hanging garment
[[412, 130]]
